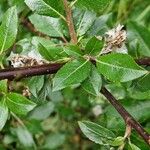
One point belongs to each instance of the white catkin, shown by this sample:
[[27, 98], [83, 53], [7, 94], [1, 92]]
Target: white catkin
[[114, 40]]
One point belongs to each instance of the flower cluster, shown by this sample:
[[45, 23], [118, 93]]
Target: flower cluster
[[115, 39], [25, 61]]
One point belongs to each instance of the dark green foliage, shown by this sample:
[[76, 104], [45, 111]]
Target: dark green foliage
[[42, 112]]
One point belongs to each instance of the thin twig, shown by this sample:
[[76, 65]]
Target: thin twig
[[24, 72], [70, 23], [126, 116]]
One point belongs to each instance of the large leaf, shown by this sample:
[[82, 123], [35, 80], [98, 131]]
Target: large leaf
[[95, 5], [47, 25], [119, 67], [3, 114], [8, 29], [19, 104], [51, 8], [93, 83], [142, 34], [72, 73], [96, 133]]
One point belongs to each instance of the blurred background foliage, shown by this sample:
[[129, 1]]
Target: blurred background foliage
[[53, 123]]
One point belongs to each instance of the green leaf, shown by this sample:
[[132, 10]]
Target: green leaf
[[51, 52], [73, 50], [99, 27], [118, 141], [19, 104], [119, 67], [42, 112], [25, 137], [3, 113], [85, 22], [93, 83], [141, 33], [35, 84], [3, 86], [8, 29], [96, 133], [134, 147], [94, 46], [47, 25], [142, 83], [53, 141], [51, 8], [71, 73], [95, 5]]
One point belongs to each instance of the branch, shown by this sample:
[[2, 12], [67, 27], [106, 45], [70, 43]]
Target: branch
[[70, 23], [24, 72], [15, 73], [126, 116], [143, 61]]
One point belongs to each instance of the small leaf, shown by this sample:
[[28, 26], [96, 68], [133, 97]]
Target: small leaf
[[35, 84], [72, 73], [8, 29], [3, 86], [45, 7], [3, 114], [142, 83], [93, 83], [119, 67], [85, 23], [19, 104], [47, 25], [117, 141], [51, 52], [133, 147], [95, 5], [96, 133], [73, 50], [94, 46], [24, 137]]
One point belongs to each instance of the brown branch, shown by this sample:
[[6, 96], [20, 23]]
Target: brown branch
[[70, 23], [15, 73], [143, 61], [24, 72], [126, 116]]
